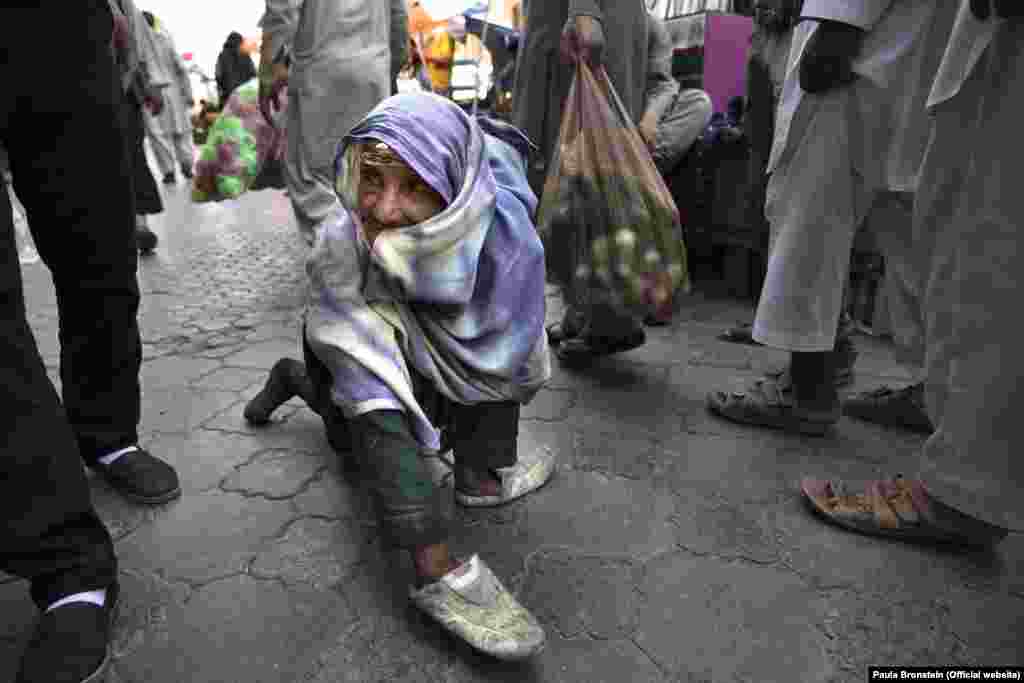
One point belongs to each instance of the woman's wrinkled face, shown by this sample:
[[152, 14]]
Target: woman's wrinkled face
[[394, 196]]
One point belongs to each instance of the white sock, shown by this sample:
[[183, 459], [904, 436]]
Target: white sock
[[111, 457], [95, 597]]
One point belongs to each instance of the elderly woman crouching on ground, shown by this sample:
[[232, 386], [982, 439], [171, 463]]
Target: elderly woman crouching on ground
[[425, 332]]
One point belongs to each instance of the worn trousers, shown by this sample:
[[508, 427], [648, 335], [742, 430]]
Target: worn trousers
[[412, 508], [77, 193], [969, 215]]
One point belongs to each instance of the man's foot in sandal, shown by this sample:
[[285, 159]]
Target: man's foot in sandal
[[898, 508], [903, 408], [771, 402]]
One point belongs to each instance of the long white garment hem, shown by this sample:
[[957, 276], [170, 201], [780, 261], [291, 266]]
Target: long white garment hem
[[815, 203], [970, 224]]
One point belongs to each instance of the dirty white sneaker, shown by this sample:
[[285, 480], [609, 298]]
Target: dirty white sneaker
[[479, 609], [533, 470]]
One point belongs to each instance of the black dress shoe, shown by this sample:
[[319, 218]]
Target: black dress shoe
[[146, 239], [141, 478], [169, 179], [70, 644]]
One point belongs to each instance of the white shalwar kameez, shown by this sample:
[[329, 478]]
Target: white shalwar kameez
[[839, 158], [341, 62], [969, 225]]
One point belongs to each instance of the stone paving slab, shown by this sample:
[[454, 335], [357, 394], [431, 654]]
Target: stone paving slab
[[669, 546]]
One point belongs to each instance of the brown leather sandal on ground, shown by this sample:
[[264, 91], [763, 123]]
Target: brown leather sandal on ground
[[887, 508]]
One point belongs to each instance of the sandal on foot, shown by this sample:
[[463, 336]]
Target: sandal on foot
[[472, 604], [888, 509], [533, 470], [770, 403], [890, 407]]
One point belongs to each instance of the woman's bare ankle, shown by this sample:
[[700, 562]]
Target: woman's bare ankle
[[484, 483], [432, 562]]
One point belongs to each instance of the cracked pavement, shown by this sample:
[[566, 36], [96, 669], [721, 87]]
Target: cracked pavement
[[670, 546]]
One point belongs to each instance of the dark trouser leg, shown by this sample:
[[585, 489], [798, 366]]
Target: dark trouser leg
[[82, 219], [147, 195], [485, 435], [71, 184], [413, 512], [316, 392], [814, 378]]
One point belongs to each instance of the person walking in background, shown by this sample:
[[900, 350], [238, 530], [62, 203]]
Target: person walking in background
[[76, 184], [604, 33], [234, 67], [143, 80], [170, 132], [338, 67]]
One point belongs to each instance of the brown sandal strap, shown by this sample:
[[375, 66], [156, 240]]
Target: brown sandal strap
[[891, 509]]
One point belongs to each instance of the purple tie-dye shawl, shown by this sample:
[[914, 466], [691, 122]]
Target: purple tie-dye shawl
[[458, 298]]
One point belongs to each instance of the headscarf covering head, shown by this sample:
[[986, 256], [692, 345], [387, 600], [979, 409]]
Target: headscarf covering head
[[234, 40], [465, 287], [426, 131]]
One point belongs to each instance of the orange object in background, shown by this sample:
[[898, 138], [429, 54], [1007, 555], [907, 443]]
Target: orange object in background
[[420, 21], [439, 55]]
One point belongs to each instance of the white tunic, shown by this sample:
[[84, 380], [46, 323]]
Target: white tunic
[[891, 58]]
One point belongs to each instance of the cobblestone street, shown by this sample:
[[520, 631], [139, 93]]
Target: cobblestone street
[[670, 546]]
